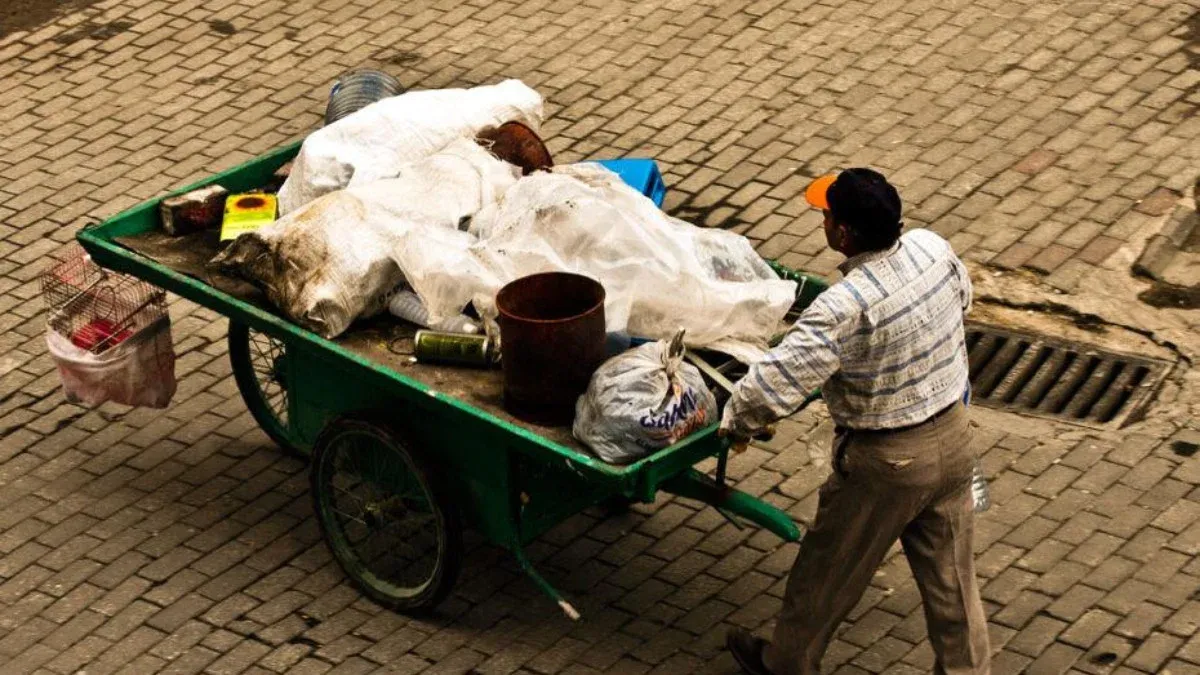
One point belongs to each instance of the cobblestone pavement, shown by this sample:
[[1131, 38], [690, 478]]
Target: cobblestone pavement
[[1046, 135]]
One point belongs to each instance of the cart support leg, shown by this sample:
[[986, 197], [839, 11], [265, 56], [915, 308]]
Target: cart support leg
[[542, 584], [695, 485]]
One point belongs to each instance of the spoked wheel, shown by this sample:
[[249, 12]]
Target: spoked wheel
[[387, 520], [260, 367]]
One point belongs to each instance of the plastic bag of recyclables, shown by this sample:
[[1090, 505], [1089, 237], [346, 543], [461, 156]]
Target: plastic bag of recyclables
[[137, 371], [331, 261], [660, 274], [375, 142], [643, 400]]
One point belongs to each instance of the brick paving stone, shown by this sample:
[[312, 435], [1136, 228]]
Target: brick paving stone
[[24, 636], [1019, 612], [1110, 573], [1089, 628], [1037, 636], [1098, 250], [1036, 161], [1191, 651], [1007, 662], [1176, 666], [1110, 651], [1032, 531], [73, 630], [1075, 602], [870, 628], [1094, 548], [30, 660], [1050, 258], [1015, 255], [1159, 202], [192, 661], [1153, 652], [1184, 621], [184, 638], [1124, 598], [1178, 591], [1058, 658]]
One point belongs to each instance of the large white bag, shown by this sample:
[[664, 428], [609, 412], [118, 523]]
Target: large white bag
[[377, 141], [659, 273], [641, 401], [137, 371], [335, 259]]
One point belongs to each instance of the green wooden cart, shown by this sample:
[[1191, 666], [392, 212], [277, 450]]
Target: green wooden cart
[[404, 456]]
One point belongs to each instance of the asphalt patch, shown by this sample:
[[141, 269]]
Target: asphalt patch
[[1191, 48], [1184, 449], [403, 58], [30, 15], [1166, 295], [221, 26], [93, 31]]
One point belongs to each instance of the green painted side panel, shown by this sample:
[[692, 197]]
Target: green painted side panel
[[242, 178], [550, 493]]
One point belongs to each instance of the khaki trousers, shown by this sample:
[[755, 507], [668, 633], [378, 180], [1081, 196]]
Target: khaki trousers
[[911, 485]]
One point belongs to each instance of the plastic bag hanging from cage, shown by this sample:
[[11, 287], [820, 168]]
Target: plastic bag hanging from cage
[[109, 334], [139, 371]]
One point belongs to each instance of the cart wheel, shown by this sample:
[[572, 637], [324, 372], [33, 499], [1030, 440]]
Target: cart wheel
[[259, 363], [387, 520]]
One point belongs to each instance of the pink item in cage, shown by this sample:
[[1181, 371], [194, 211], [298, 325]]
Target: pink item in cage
[[136, 371], [109, 334]]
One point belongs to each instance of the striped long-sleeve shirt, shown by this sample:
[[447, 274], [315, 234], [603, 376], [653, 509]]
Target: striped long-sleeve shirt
[[885, 344]]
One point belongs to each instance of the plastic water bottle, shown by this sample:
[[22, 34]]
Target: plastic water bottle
[[408, 306], [358, 89], [980, 498]]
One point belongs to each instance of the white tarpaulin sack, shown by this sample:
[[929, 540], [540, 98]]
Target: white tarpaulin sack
[[332, 261], [660, 274], [641, 401], [375, 142]]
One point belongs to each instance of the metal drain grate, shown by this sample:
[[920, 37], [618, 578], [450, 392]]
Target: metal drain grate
[[1063, 380]]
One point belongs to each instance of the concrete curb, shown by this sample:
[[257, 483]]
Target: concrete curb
[[1161, 248]]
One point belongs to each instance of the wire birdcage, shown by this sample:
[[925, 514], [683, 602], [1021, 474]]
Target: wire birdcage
[[97, 308]]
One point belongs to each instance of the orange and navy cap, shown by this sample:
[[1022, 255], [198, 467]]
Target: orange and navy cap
[[860, 197], [817, 193]]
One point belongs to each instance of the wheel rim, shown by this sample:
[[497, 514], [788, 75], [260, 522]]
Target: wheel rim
[[379, 514], [268, 359], [262, 368]]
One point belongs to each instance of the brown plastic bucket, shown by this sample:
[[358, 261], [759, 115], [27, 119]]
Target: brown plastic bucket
[[551, 341]]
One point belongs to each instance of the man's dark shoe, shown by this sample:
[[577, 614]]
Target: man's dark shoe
[[747, 650]]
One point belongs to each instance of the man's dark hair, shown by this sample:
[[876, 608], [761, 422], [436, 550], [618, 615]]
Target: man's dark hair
[[869, 206]]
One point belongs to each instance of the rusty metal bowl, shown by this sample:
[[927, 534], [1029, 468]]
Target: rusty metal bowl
[[517, 144]]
